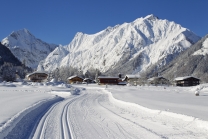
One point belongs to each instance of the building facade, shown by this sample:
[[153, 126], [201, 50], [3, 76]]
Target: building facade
[[187, 81], [37, 76], [75, 79], [102, 80]]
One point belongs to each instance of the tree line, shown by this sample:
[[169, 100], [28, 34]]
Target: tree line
[[9, 71], [63, 73]]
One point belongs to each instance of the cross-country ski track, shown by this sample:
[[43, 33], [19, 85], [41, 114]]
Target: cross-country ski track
[[93, 113], [96, 114]]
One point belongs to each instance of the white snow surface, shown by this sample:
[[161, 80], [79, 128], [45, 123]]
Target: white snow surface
[[26, 46], [132, 76], [154, 40], [183, 78], [203, 50], [93, 111]]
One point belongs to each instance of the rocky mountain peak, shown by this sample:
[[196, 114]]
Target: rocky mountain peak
[[127, 48], [26, 46]]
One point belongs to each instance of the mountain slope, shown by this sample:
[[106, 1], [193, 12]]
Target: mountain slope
[[27, 47], [193, 62], [7, 56], [127, 48]]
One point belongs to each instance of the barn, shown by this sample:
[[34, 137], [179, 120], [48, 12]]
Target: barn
[[187, 81], [108, 80]]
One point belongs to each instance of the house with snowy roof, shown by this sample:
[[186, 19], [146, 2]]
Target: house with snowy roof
[[37, 76], [131, 79], [158, 80], [75, 79], [187, 81]]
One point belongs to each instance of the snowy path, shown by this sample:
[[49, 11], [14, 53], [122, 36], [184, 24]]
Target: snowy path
[[28, 122], [96, 114]]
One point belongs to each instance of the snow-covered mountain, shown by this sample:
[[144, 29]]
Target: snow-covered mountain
[[127, 48], [192, 62], [27, 47]]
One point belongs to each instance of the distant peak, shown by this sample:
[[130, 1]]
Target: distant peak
[[151, 17], [20, 34], [21, 31], [79, 33], [24, 30]]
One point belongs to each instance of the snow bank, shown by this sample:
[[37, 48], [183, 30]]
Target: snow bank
[[7, 84], [166, 115], [200, 88], [63, 94]]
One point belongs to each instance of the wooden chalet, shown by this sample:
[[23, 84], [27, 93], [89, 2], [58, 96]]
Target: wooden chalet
[[37, 76], [75, 79], [131, 79], [187, 81], [158, 81], [102, 80]]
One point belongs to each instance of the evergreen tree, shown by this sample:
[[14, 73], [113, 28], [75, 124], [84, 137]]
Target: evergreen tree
[[8, 72]]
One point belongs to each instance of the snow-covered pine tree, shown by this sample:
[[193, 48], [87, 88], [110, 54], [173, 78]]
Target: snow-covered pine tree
[[8, 72]]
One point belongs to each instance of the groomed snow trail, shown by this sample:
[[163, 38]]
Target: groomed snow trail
[[95, 114], [28, 123]]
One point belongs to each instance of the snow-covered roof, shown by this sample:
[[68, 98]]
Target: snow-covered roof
[[133, 76], [74, 77], [41, 72], [87, 79], [153, 78], [106, 77], [183, 78]]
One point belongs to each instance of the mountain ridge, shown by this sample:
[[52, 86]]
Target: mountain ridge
[[137, 45], [192, 62]]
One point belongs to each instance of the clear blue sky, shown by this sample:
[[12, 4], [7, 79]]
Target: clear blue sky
[[57, 21]]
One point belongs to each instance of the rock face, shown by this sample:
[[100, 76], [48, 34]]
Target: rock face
[[127, 48], [27, 48], [7, 56], [192, 62]]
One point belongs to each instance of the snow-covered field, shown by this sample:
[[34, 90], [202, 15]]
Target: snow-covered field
[[42, 111]]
